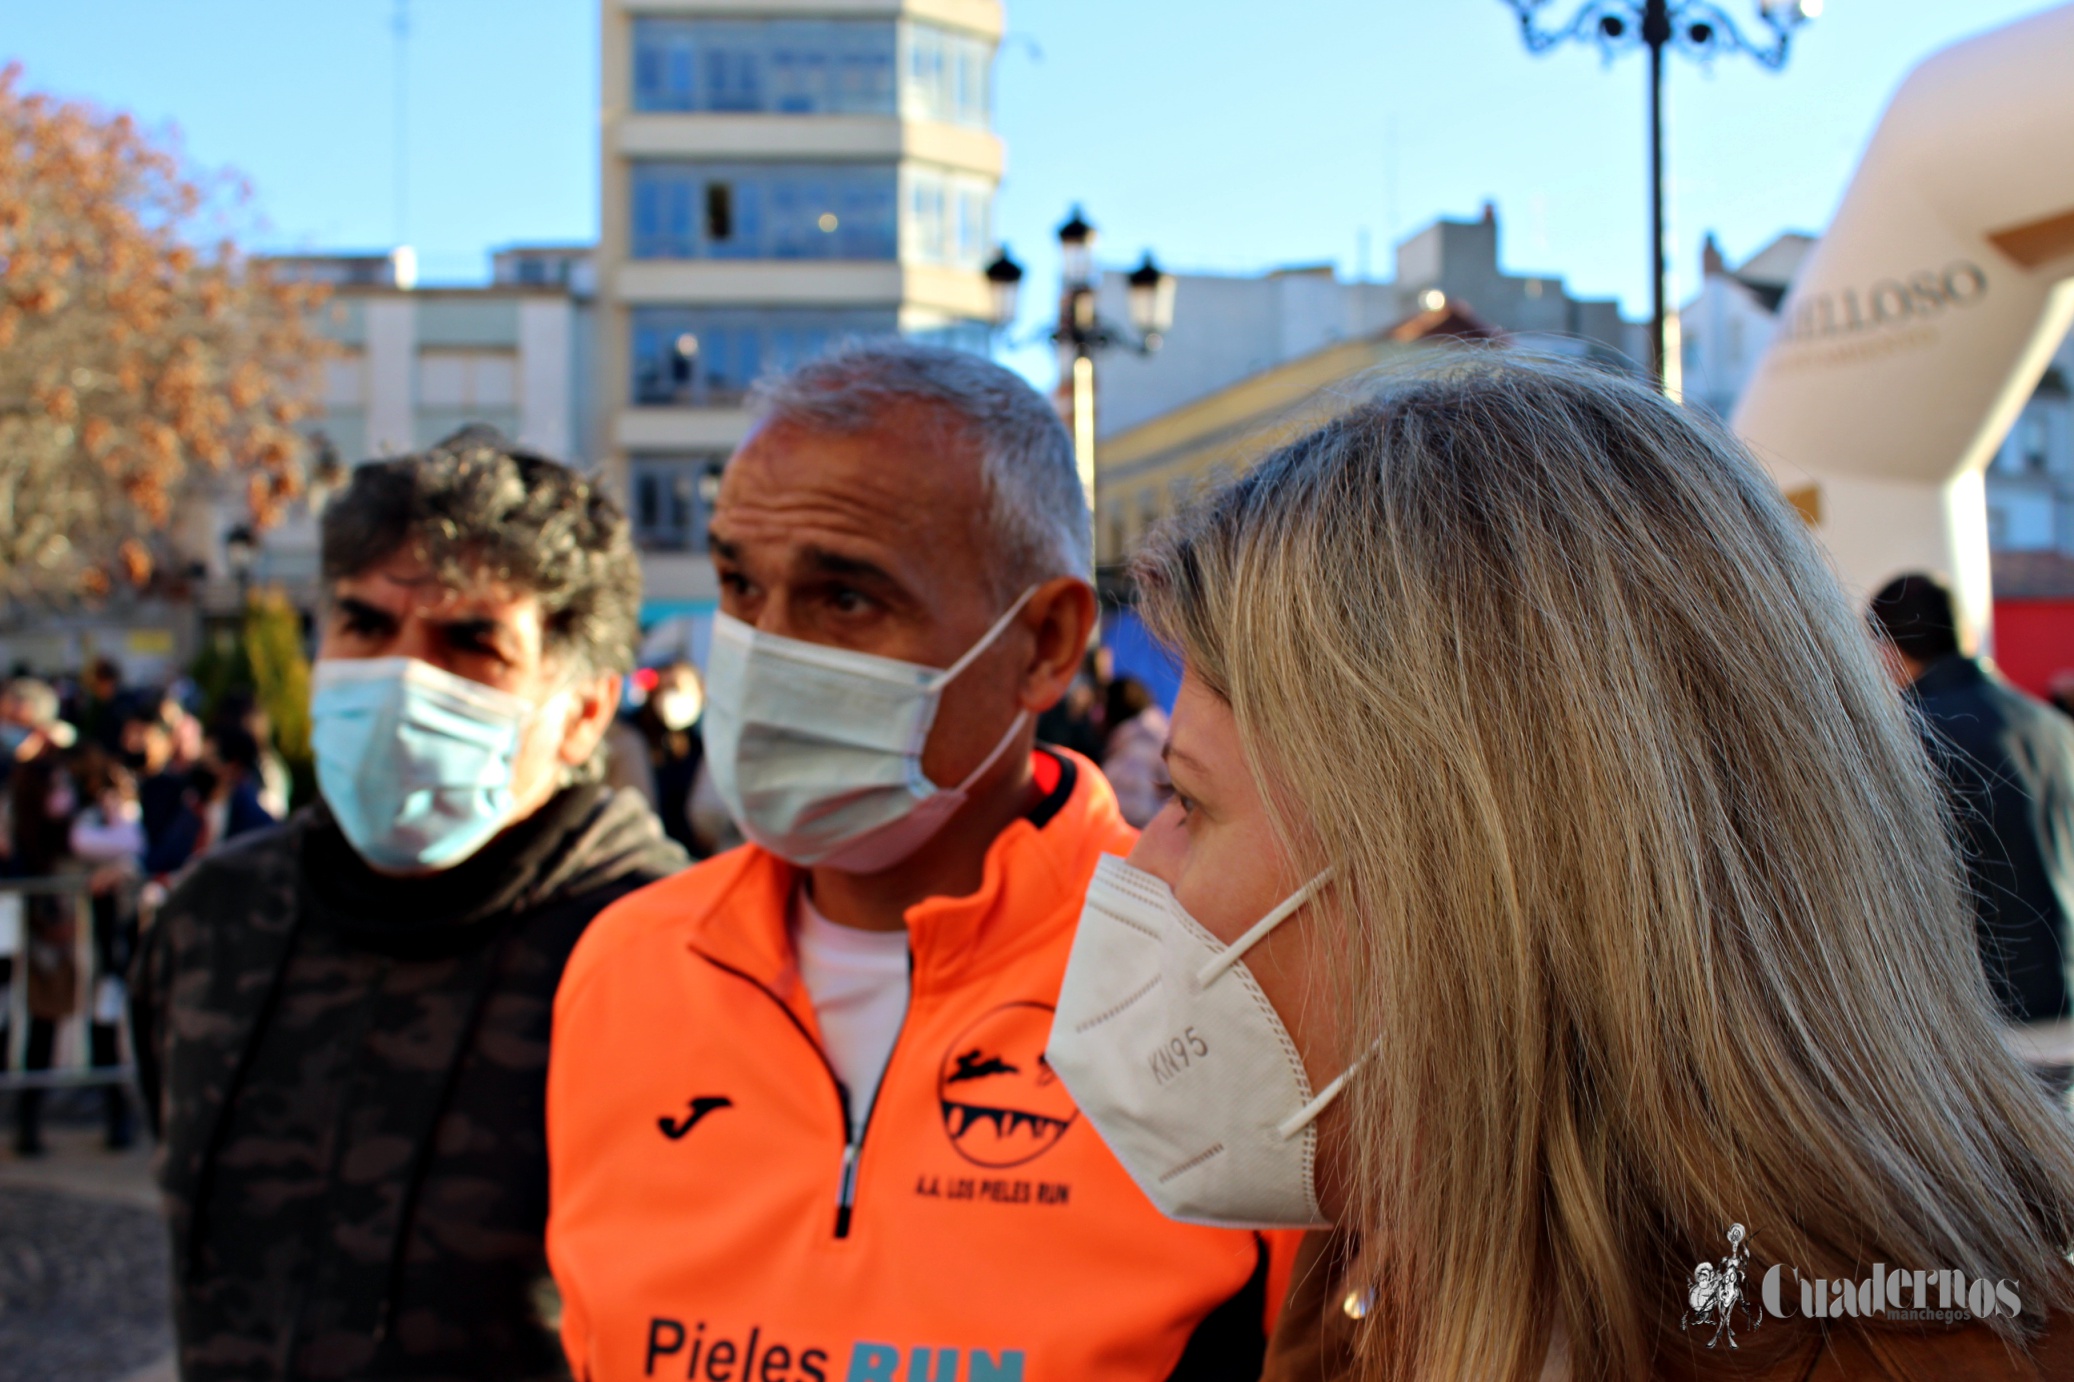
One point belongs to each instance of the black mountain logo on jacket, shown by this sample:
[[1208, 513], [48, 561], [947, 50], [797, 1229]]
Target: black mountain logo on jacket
[[1002, 1105]]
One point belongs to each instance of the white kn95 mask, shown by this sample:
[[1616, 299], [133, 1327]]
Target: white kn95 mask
[[1170, 1048]]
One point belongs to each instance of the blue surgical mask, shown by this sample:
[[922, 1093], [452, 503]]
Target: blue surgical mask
[[415, 763]]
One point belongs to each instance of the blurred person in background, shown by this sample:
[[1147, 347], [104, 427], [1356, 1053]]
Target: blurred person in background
[[236, 806], [1131, 754], [147, 747], [188, 737], [669, 725], [1563, 899], [108, 839], [1076, 721], [2007, 763], [241, 712], [103, 704], [343, 1022], [41, 800], [780, 1078]]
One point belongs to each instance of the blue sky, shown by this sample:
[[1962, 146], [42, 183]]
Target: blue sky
[[1224, 136]]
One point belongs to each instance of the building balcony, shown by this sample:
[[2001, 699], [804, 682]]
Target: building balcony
[[865, 138], [983, 17], [955, 292], [681, 429]]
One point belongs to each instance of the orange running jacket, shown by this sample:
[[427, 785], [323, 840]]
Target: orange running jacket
[[711, 1220]]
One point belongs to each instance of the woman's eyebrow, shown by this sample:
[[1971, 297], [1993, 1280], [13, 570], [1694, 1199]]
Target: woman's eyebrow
[[1169, 755]]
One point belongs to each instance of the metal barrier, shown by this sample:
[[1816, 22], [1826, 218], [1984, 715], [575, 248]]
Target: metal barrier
[[72, 1057]]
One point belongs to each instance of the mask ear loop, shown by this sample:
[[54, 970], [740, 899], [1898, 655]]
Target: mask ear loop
[[1013, 729], [1258, 932], [1308, 1114], [971, 655], [950, 673]]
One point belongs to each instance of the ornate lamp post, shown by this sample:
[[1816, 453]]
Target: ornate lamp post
[[1081, 333], [1701, 29]]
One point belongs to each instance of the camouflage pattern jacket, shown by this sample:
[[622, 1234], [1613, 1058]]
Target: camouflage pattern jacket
[[348, 1073]]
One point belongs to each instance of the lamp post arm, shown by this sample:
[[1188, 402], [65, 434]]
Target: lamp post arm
[[1698, 28]]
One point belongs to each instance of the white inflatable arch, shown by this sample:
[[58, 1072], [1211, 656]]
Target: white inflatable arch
[[1923, 319]]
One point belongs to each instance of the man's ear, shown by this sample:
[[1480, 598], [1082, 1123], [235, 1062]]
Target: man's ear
[[597, 701], [1062, 616]]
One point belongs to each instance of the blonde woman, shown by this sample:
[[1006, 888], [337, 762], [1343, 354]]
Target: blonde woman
[[1554, 898]]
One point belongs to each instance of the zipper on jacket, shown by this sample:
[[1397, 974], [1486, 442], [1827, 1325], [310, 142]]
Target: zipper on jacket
[[853, 1143], [853, 1146]]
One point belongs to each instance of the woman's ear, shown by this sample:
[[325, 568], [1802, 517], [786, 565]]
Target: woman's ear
[[596, 702], [1062, 615]]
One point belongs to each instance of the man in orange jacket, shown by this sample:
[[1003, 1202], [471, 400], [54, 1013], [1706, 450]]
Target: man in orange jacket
[[800, 1120]]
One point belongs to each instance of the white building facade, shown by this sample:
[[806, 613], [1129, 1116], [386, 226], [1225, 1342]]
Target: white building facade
[[1229, 328], [778, 175], [415, 364]]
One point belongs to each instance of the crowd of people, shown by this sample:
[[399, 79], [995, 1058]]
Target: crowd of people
[[1542, 877], [108, 791]]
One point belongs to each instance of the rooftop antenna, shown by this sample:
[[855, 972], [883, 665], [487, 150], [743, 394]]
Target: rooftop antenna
[[399, 25]]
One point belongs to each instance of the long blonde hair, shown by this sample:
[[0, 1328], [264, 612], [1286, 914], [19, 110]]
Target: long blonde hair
[[1647, 891]]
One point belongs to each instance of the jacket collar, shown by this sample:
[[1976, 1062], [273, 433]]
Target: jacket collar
[[1031, 884], [1948, 673]]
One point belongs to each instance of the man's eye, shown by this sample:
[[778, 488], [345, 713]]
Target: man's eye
[[849, 601]]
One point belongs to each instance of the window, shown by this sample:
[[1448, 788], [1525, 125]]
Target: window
[[2035, 440], [720, 213], [944, 76], [467, 379], [752, 211], [783, 67], [692, 356], [949, 218], [673, 500]]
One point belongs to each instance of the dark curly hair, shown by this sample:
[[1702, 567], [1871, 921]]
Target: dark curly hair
[[477, 506]]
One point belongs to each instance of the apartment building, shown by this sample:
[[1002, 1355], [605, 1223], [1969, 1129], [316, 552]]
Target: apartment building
[[777, 175]]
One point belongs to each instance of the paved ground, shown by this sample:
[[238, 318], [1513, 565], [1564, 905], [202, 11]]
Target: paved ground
[[82, 1265]]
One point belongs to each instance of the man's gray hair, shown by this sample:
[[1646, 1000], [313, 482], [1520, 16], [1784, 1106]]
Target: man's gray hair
[[1036, 508]]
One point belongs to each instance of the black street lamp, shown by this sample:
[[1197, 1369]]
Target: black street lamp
[[1005, 282], [241, 554], [1081, 333], [1701, 29]]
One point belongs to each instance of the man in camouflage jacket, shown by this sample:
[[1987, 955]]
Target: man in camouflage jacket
[[347, 1063]]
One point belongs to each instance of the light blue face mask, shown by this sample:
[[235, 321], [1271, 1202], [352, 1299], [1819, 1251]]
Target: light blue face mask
[[415, 763]]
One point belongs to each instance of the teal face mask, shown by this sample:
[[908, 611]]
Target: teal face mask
[[415, 763]]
